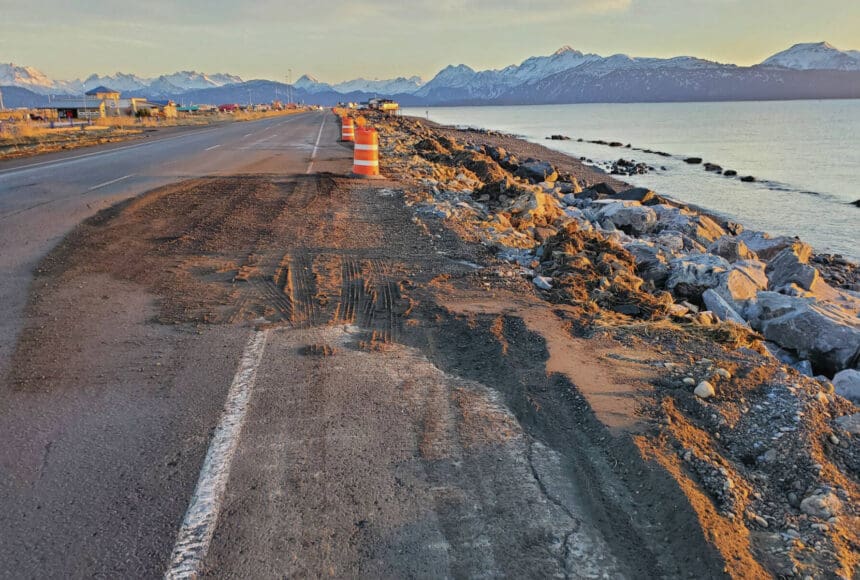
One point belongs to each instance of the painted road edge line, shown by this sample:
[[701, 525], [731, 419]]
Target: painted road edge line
[[111, 182], [213, 147], [198, 526], [316, 146]]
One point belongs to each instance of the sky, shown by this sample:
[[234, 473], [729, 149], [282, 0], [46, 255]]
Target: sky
[[336, 40]]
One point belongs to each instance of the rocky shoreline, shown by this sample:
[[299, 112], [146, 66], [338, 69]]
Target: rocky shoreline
[[761, 336]]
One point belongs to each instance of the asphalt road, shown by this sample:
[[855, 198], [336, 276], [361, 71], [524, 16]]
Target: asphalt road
[[42, 198]]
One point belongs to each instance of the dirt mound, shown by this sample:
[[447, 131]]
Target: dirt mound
[[595, 272]]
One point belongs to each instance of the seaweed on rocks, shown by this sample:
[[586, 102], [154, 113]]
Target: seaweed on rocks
[[595, 271]]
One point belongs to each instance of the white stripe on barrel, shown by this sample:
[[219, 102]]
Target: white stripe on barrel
[[364, 163], [361, 147]]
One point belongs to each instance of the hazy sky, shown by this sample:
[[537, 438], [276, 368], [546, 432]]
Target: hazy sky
[[338, 39]]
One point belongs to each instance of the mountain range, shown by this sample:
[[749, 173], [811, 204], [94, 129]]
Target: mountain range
[[29, 78], [810, 70]]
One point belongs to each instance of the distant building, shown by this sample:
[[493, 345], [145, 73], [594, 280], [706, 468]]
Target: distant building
[[110, 98], [103, 93], [166, 109], [79, 109]]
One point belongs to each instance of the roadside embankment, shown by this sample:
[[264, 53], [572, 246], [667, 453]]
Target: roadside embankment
[[758, 337]]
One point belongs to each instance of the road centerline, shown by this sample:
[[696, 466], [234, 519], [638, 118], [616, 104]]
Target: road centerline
[[111, 182], [316, 146]]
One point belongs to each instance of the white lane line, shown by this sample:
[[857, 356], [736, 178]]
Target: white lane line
[[316, 146], [66, 160], [213, 147], [192, 542], [248, 135], [111, 182]]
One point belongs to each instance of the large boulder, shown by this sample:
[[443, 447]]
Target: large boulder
[[537, 171], [701, 228], [716, 304], [791, 266], [691, 275], [821, 332], [706, 230], [640, 194], [740, 285], [651, 264], [534, 208], [847, 384], [731, 248], [628, 216], [764, 245]]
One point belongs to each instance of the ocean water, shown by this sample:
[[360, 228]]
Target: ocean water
[[804, 154]]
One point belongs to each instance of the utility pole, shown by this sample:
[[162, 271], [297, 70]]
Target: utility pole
[[2, 108], [290, 83]]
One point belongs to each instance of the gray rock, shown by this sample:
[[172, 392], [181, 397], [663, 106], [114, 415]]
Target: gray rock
[[764, 245], [671, 242], [705, 390], [692, 275], [640, 194], [569, 187], [823, 333], [823, 505], [543, 282], [791, 266], [732, 249], [537, 171], [433, 211], [706, 230], [741, 284], [804, 367], [715, 303], [628, 215], [569, 199], [702, 228], [847, 384], [850, 423], [671, 218], [651, 262]]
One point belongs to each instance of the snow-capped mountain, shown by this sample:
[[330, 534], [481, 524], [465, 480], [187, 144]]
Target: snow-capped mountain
[[118, 81], [189, 80], [311, 85], [176, 83], [466, 83], [25, 77], [815, 56], [400, 85]]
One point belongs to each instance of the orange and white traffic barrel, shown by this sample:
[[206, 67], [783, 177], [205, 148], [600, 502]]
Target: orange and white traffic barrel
[[347, 132], [366, 153]]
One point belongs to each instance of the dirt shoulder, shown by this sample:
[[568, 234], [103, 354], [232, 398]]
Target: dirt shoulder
[[758, 448]]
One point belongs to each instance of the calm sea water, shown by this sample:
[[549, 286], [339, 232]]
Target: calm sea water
[[806, 155]]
